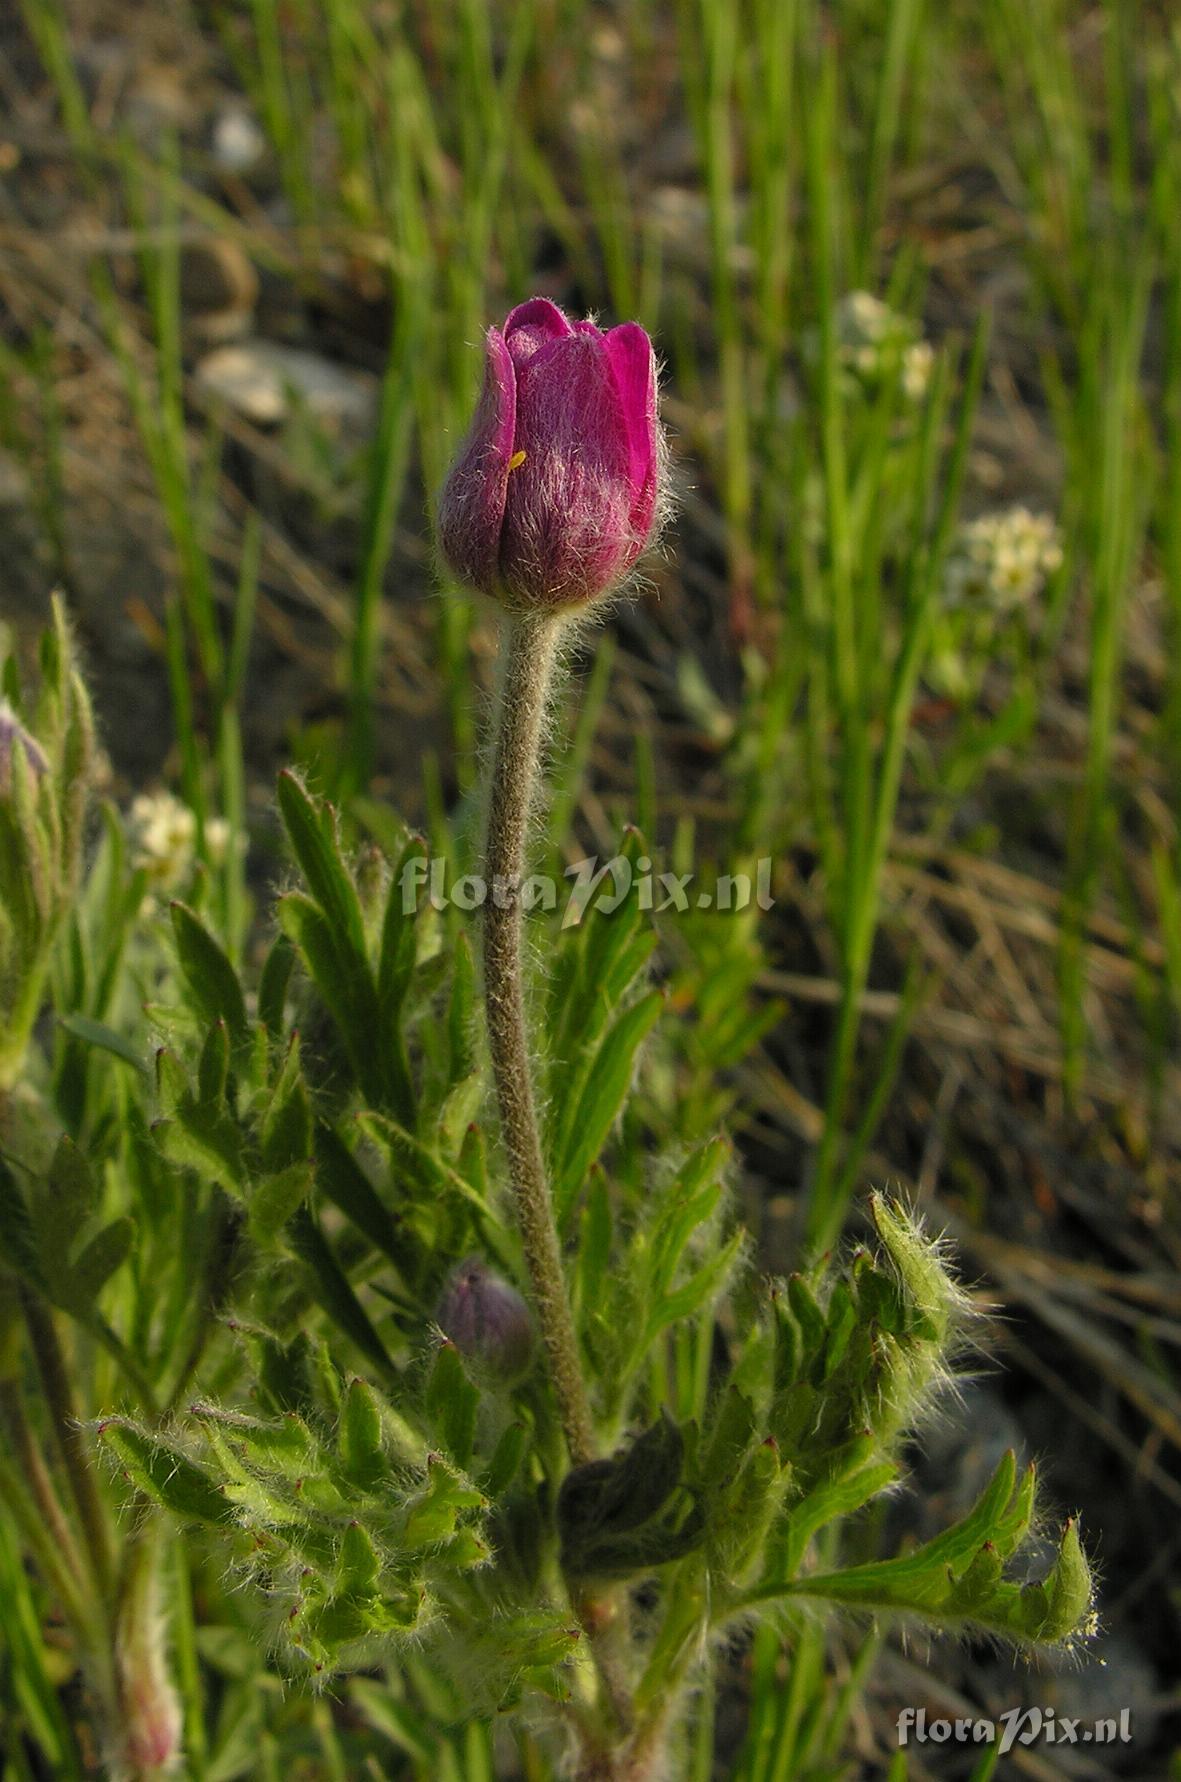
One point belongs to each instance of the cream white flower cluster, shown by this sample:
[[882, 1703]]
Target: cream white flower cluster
[[163, 832], [871, 337], [1002, 560]]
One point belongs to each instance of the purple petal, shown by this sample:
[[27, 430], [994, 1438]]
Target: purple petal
[[534, 325], [567, 520], [471, 506], [633, 365]]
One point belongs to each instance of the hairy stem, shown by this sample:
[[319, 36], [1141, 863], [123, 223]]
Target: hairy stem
[[22, 1508], [70, 1437], [531, 645], [27, 1451]]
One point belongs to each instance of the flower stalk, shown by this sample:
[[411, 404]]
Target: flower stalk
[[70, 1435], [531, 647]]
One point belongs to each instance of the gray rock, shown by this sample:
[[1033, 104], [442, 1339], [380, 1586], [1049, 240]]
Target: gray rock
[[259, 378], [14, 482], [217, 278], [237, 142]]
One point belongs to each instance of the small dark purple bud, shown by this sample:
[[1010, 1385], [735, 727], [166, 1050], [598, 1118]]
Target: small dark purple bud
[[556, 489], [488, 1322], [13, 731]]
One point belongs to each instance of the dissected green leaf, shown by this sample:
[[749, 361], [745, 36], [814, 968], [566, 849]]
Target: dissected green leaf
[[959, 1576]]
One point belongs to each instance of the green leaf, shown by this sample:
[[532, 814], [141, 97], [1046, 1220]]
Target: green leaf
[[341, 975], [1011, 1528], [282, 1370], [106, 1251], [742, 1516], [459, 1109], [927, 1283], [461, 1014], [594, 1249], [285, 1132], [362, 1456], [588, 1125], [102, 1038], [213, 1069], [842, 1496], [506, 1461], [433, 1516], [204, 1139], [72, 1190], [61, 1208], [398, 937], [273, 982], [842, 1320], [18, 1243], [312, 832], [696, 1291], [1069, 1589], [210, 975], [333, 1289], [343, 1181], [275, 1198], [285, 1444], [452, 1402], [729, 1439], [359, 1564], [425, 1165], [172, 1081], [628, 1514], [807, 1314], [164, 1474], [958, 1576]]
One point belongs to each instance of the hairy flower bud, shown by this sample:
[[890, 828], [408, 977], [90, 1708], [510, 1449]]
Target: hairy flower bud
[[12, 731], [146, 1735], [556, 490], [488, 1322], [45, 775]]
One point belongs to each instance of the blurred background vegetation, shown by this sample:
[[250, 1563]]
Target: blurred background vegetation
[[914, 272]]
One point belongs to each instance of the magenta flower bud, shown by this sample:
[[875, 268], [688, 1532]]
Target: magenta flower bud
[[556, 490], [488, 1322], [13, 731], [147, 1720]]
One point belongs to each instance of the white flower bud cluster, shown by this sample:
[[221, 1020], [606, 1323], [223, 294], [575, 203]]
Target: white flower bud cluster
[[871, 337], [1002, 560], [163, 834]]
